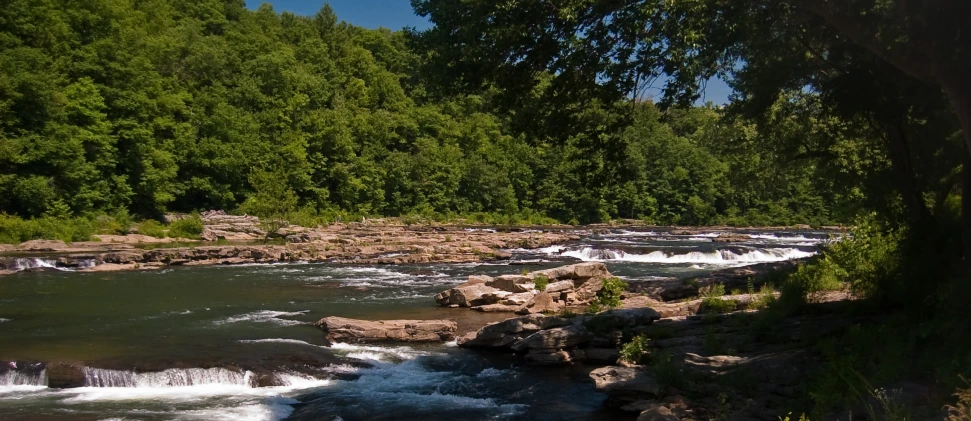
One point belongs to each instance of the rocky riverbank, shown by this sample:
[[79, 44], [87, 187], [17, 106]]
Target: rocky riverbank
[[339, 243]]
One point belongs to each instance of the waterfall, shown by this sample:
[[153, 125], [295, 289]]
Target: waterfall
[[711, 257], [24, 263], [173, 377], [23, 378]]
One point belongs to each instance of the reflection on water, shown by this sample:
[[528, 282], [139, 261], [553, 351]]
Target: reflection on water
[[195, 342]]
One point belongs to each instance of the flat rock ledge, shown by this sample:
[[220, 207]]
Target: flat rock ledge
[[340, 329], [550, 340], [570, 285]]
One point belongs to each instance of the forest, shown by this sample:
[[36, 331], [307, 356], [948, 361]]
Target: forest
[[125, 108], [854, 113]]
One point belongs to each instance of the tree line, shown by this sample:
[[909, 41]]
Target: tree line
[[140, 108]]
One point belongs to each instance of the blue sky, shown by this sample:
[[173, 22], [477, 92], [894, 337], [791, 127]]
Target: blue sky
[[397, 14]]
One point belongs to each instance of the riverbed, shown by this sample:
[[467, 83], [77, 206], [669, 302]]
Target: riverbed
[[193, 343]]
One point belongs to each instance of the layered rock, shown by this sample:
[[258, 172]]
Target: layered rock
[[549, 340], [339, 243], [576, 284], [340, 329]]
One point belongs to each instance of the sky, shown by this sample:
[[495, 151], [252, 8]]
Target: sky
[[397, 14]]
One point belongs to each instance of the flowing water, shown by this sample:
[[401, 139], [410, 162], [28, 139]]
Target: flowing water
[[236, 342]]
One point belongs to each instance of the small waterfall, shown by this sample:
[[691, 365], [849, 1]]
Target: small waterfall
[[173, 377], [16, 377], [25, 263], [710, 257]]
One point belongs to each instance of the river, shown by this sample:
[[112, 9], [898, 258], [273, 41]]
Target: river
[[193, 343]]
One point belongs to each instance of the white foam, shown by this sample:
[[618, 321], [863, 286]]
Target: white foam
[[717, 257], [266, 316], [2, 320], [377, 353], [490, 372], [276, 340]]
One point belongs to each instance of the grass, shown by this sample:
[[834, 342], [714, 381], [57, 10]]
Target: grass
[[962, 410], [712, 302], [541, 281]]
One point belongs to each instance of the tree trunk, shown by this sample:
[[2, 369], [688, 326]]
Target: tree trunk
[[959, 93], [906, 182]]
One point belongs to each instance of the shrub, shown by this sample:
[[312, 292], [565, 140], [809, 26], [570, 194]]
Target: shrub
[[541, 282], [151, 228], [14, 230], [608, 297], [635, 350], [190, 227]]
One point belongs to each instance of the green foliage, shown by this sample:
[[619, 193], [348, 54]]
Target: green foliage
[[802, 417], [541, 281], [190, 228], [608, 297], [152, 228], [635, 350], [14, 230], [711, 300]]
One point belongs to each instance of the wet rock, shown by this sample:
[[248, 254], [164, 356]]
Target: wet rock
[[62, 375], [731, 237], [340, 329]]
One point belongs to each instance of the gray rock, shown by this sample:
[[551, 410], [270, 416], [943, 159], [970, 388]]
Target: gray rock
[[555, 338], [625, 382], [512, 283]]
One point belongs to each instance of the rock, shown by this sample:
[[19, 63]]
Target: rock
[[547, 357], [624, 317], [559, 286], [470, 295], [540, 303], [579, 271], [495, 308], [508, 332], [596, 355], [625, 383], [658, 413], [62, 375], [340, 329], [555, 338], [43, 245], [512, 283], [478, 279], [588, 290], [518, 299], [731, 237], [640, 406]]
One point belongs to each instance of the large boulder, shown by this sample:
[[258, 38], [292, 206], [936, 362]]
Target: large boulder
[[467, 295], [340, 329], [555, 338], [580, 271], [506, 333]]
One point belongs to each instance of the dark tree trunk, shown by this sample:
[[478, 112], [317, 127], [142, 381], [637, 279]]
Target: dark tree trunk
[[958, 91], [906, 180]]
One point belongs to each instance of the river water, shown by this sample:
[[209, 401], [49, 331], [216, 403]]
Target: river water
[[194, 343]]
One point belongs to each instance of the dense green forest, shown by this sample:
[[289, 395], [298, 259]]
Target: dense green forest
[[138, 108]]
